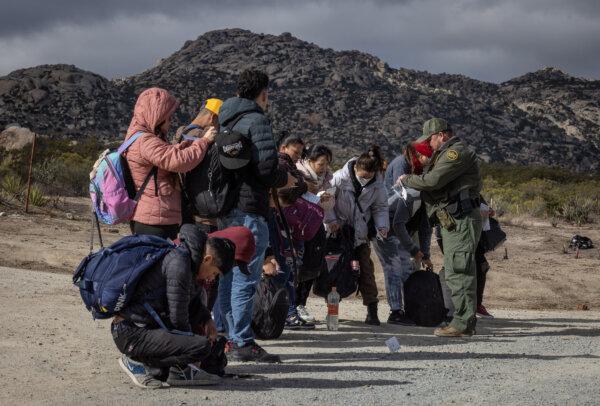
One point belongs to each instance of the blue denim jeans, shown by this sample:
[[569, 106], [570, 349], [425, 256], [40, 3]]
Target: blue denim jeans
[[236, 290], [285, 277], [397, 267], [218, 317]]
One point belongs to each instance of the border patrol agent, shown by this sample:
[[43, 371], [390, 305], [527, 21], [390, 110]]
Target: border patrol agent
[[451, 187]]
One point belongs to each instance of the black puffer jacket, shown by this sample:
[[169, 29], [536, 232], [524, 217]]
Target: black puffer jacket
[[263, 172], [172, 284]]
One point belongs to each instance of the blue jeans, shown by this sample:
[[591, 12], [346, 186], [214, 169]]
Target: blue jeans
[[236, 290], [285, 277], [397, 267], [220, 321]]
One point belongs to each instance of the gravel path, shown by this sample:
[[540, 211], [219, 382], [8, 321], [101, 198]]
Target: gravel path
[[52, 352]]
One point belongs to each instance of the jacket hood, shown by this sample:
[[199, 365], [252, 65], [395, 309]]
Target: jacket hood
[[152, 107], [195, 240], [235, 106]]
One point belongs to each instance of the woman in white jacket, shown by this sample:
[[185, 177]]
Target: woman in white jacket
[[361, 203]]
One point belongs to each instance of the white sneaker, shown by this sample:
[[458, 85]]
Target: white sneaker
[[305, 315]]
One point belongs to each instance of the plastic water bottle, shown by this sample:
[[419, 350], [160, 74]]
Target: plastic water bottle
[[333, 306]]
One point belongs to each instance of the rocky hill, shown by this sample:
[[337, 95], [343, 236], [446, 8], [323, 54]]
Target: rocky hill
[[346, 99]]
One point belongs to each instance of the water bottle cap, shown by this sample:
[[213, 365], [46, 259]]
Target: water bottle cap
[[333, 289]]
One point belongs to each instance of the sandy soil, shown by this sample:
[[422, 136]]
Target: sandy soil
[[536, 275], [52, 352]]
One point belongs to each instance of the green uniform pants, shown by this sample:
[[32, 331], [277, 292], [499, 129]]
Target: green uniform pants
[[459, 268]]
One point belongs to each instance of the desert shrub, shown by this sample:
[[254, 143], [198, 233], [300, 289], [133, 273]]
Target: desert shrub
[[579, 210], [12, 186], [542, 192], [36, 197]]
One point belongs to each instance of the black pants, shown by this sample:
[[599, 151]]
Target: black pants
[[303, 292], [158, 349], [482, 267], [163, 231]]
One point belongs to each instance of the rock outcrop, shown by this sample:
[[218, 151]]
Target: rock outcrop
[[345, 99]]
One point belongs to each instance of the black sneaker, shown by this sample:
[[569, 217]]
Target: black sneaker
[[294, 322], [372, 318], [253, 353], [398, 317]]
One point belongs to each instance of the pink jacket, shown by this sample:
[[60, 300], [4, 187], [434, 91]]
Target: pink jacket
[[153, 107]]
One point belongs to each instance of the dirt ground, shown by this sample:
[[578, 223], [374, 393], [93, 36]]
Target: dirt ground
[[52, 352], [536, 275]]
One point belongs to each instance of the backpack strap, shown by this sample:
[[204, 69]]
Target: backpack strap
[[286, 229], [153, 172], [187, 129], [125, 146], [231, 123], [162, 325], [96, 225]]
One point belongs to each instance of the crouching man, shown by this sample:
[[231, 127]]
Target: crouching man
[[153, 353]]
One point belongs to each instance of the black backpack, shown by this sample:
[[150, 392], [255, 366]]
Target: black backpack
[[313, 260], [581, 242], [212, 189], [342, 276], [270, 310], [423, 299], [494, 237]]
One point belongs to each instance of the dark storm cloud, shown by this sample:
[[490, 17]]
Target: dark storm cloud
[[486, 39]]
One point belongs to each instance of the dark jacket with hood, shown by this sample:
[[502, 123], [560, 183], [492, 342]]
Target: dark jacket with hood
[[263, 171], [174, 275]]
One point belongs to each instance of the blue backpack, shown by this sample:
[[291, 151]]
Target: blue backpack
[[107, 279]]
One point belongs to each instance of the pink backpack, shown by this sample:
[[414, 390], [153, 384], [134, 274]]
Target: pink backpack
[[304, 218]]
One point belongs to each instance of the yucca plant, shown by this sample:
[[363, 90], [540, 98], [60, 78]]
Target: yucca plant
[[37, 198], [12, 185]]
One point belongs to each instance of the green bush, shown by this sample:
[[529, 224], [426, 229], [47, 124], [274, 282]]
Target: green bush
[[542, 192], [579, 210], [36, 197], [13, 186]]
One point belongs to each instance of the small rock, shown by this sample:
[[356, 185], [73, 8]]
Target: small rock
[[70, 216], [113, 230], [2, 214]]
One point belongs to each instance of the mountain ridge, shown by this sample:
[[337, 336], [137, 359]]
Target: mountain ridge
[[347, 99]]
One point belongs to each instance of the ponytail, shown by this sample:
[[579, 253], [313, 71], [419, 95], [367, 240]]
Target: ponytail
[[372, 160]]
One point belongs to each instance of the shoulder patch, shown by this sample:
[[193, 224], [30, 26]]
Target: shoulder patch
[[452, 154]]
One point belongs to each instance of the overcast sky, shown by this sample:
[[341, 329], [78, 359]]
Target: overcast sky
[[490, 40]]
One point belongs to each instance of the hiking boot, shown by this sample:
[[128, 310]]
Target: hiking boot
[[304, 314], [253, 353], [372, 318], [138, 373], [191, 376], [483, 313], [452, 332], [294, 322], [398, 317]]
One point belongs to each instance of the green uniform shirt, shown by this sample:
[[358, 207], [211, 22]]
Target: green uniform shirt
[[454, 168]]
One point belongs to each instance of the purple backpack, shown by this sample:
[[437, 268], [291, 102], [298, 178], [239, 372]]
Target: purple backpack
[[304, 218], [112, 190]]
